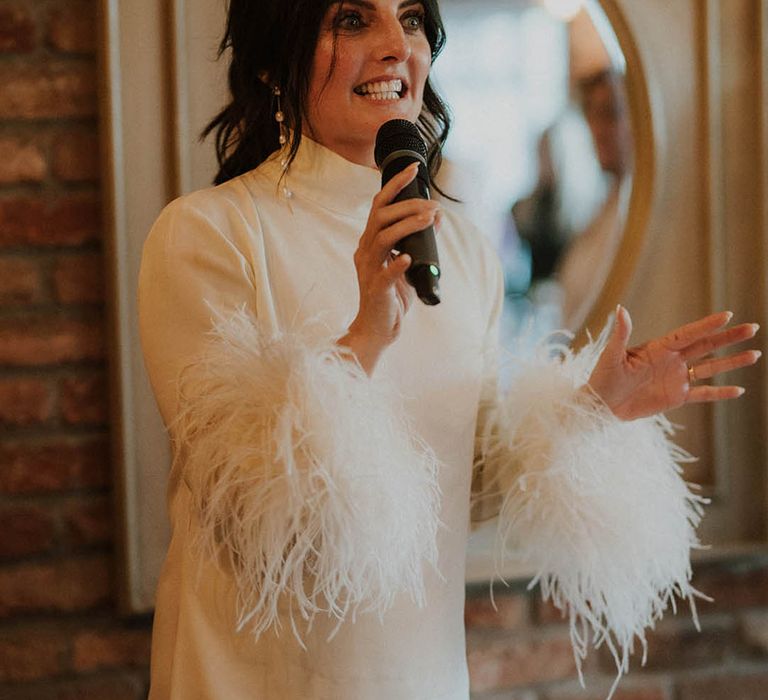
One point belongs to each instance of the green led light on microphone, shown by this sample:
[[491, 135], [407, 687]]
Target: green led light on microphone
[[435, 271]]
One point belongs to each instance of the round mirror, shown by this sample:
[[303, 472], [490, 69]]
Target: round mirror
[[541, 149]]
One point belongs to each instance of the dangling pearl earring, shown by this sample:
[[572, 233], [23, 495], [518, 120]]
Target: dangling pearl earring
[[280, 117]]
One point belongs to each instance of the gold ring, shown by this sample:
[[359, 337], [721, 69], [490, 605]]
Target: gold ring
[[691, 374]]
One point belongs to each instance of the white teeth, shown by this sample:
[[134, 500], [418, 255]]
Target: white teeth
[[378, 96], [386, 88]]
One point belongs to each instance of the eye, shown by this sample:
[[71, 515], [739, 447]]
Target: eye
[[414, 22], [349, 20]]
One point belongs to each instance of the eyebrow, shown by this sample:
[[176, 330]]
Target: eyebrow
[[370, 6]]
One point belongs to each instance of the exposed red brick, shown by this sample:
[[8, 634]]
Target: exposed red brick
[[501, 664], [111, 649], [53, 341], [79, 279], [20, 281], [84, 400], [117, 687], [67, 221], [545, 613], [25, 402], [17, 30], [754, 630], [88, 522], [687, 648], [72, 27], [32, 469], [519, 694], [511, 612], [76, 157], [31, 654], [25, 530], [732, 589], [47, 91], [21, 161], [66, 586], [726, 685], [682, 647], [652, 692]]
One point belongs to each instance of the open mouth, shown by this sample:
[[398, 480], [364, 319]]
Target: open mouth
[[382, 90]]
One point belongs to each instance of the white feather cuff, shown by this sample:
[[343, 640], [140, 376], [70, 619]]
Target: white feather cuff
[[306, 482], [597, 505]]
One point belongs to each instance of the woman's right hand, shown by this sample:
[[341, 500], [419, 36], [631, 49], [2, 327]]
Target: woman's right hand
[[385, 295]]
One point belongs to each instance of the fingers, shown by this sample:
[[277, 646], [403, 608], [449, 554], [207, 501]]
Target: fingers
[[710, 368], [415, 216], [391, 189], [397, 268], [385, 213], [734, 335], [706, 394], [403, 219], [623, 327], [616, 347], [680, 338], [393, 213], [388, 238]]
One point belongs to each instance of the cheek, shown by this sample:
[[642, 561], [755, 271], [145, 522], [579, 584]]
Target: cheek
[[331, 75], [422, 63], [320, 67]]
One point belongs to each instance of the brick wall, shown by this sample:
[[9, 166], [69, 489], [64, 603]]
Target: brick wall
[[521, 651], [60, 636]]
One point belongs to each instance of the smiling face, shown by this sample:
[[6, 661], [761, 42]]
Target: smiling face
[[371, 64]]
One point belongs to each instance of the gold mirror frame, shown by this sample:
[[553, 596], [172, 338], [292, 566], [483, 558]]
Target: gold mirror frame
[[638, 211], [481, 566]]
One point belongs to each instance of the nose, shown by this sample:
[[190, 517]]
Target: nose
[[393, 44]]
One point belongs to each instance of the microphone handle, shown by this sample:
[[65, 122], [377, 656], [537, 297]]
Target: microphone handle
[[424, 272]]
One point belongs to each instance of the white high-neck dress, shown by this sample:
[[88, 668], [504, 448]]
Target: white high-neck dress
[[310, 500], [284, 247]]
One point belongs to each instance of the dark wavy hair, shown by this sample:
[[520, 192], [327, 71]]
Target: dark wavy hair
[[277, 38]]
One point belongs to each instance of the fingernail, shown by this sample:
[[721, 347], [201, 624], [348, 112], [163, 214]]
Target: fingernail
[[741, 390], [758, 355], [728, 315], [756, 327]]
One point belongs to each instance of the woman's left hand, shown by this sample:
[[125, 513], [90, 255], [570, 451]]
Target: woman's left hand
[[662, 374]]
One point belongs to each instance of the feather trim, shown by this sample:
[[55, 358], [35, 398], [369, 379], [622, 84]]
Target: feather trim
[[306, 480], [597, 505]]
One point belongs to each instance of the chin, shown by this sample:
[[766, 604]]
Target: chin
[[394, 113]]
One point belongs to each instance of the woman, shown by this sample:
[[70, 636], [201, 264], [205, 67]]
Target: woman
[[324, 425]]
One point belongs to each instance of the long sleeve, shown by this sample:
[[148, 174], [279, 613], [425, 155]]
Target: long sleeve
[[597, 506], [304, 481], [307, 485]]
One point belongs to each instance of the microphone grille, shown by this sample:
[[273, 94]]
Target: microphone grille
[[396, 135]]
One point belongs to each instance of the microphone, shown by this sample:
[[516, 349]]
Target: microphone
[[398, 144]]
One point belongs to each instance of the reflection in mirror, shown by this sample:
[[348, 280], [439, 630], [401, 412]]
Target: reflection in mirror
[[540, 154]]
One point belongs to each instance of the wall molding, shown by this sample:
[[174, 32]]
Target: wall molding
[[137, 182], [712, 80]]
